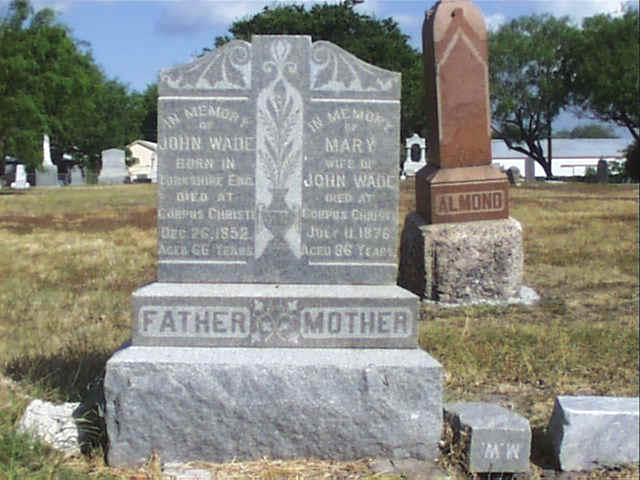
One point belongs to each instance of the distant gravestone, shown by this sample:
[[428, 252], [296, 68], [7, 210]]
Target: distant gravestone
[[529, 170], [416, 157], [47, 176], [459, 187], [77, 178], [513, 174], [602, 173], [21, 178], [114, 169], [153, 175], [277, 222]]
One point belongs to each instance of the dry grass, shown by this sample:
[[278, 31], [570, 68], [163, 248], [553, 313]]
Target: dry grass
[[71, 258]]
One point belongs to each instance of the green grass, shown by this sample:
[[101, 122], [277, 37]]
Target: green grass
[[71, 258]]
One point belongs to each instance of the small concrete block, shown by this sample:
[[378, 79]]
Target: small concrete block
[[221, 404], [590, 432], [497, 439]]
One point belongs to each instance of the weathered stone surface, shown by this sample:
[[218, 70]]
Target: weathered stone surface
[[52, 424], [453, 262], [278, 163], [258, 315], [590, 432], [219, 404], [458, 120], [494, 439]]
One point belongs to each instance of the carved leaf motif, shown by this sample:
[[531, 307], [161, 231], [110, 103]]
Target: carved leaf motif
[[334, 69], [344, 73], [234, 75], [225, 68]]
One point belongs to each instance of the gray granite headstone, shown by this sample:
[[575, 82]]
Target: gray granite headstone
[[602, 173], [277, 224], [114, 169], [278, 162], [529, 170], [590, 432], [77, 177]]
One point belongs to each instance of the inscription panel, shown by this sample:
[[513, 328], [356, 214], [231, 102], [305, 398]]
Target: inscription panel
[[278, 163], [287, 316]]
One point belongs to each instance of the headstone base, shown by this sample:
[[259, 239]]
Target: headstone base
[[221, 404], [461, 262]]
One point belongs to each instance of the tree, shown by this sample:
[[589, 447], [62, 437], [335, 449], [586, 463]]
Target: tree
[[592, 130], [527, 89], [21, 121], [604, 69], [376, 41], [148, 103], [632, 165], [49, 85]]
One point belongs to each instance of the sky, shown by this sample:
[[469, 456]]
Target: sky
[[133, 39]]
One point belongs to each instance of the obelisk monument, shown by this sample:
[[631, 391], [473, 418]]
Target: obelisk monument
[[467, 247]]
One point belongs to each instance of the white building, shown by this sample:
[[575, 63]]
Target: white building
[[146, 164], [570, 156]]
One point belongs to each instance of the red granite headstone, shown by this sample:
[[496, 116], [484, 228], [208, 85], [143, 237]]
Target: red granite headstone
[[458, 183]]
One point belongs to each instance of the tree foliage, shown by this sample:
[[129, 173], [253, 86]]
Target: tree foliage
[[528, 91], [49, 85], [604, 69], [592, 130], [376, 41]]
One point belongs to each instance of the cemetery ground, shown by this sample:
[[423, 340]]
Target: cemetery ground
[[72, 257]]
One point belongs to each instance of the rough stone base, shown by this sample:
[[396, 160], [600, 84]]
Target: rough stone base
[[461, 262], [220, 404]]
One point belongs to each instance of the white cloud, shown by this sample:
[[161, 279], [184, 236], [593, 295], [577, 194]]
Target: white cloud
[[184, 15], [577, 10], [494, 21]]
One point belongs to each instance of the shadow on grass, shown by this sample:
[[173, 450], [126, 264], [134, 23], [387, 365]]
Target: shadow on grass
[[62, 376]]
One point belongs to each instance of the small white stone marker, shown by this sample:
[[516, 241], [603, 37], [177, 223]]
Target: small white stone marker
[[21, 178], [590, 432]]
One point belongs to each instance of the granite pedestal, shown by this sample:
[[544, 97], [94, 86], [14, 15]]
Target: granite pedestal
[[457, 262], [224, 404]]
